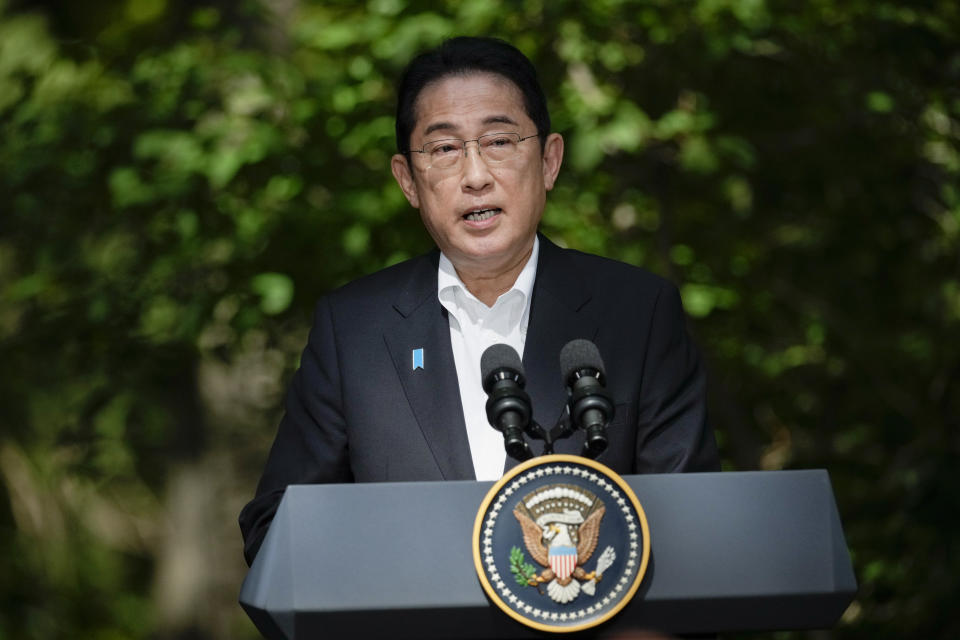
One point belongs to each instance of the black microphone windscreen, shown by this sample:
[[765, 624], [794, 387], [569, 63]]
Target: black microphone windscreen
[[499, 356], [580, 354]]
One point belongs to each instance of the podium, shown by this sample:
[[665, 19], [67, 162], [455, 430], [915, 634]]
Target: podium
[[729, 552]]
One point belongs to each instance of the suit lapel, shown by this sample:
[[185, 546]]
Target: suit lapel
[[560, 311], [432, 391]]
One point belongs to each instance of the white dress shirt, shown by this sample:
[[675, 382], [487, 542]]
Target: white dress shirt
[[473, 327]]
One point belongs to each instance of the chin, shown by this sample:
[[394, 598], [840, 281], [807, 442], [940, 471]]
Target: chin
[[486, 250]]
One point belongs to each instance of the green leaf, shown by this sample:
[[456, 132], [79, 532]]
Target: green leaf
[[275, 290]]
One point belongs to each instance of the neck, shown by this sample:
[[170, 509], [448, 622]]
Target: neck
[[487, 286]]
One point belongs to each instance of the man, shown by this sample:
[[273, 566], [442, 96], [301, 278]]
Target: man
[[389, 385]]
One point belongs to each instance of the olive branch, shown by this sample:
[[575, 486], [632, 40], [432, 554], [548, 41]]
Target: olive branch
[[523, 572]]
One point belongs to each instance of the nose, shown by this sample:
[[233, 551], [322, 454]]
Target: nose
[[476, 173]]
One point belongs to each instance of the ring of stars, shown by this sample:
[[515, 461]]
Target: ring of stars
[[598, 605]]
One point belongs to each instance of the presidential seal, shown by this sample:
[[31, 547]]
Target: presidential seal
[[561, 543]]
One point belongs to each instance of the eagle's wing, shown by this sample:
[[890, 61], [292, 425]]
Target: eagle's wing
[[531, 537], [589, 535]]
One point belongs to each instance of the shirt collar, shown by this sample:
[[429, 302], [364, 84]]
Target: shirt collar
[[449, 283]]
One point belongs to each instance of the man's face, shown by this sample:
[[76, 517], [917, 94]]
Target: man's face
[[482, 216]]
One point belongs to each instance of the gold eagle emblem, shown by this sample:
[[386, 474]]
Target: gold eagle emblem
[[561, 528]]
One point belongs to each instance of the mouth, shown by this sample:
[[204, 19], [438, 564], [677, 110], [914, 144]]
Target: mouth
[[479, 215]]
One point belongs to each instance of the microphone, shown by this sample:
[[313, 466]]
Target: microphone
[[508, 405], [589, 404]]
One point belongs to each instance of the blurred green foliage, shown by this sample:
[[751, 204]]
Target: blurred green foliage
[[180, 181]]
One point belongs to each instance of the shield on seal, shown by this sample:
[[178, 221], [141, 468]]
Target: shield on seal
[[563, 560]]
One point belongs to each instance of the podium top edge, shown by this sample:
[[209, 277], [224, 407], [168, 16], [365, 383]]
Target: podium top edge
[[686, 475]]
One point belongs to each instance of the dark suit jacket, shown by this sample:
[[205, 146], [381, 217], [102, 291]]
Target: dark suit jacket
[[357, 411]]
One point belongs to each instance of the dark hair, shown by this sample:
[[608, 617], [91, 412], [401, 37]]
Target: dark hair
[[465, 55]]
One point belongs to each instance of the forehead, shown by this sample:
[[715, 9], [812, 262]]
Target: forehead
[[462, 104]]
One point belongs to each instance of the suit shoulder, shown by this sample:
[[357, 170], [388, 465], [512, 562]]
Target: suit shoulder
[[389, 281], [601, 268]]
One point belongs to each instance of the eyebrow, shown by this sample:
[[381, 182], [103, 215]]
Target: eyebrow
[[448, 126]]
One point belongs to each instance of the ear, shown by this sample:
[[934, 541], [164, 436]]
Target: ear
[[552, 159], [402, 173]]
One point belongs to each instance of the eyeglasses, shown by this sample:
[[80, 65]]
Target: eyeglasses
[[493, 148]]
